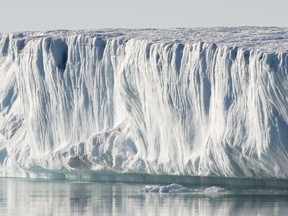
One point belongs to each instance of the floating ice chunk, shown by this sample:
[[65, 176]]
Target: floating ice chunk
[[214, 189], [170, 188], [150, 188], [177, 188], [163, 189]]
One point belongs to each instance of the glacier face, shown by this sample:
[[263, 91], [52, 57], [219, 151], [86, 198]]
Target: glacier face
[[179, 102]]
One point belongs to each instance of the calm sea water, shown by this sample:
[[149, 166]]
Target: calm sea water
[[27, 197]]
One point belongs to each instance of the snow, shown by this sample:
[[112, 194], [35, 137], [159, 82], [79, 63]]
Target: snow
[[204, 101], [265, 39]]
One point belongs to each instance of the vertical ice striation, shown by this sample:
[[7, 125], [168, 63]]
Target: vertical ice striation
[[81, 102]]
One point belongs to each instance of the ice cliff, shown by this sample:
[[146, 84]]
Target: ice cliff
[[208, 102]]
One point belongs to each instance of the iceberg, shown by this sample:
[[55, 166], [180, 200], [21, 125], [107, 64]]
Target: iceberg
[[179, 102]]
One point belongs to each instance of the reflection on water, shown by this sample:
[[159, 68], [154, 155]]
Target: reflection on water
[[26, 197]]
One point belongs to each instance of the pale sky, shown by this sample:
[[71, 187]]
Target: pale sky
[[22, 15]]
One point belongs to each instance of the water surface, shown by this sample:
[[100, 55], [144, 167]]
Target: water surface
[[35, 197]]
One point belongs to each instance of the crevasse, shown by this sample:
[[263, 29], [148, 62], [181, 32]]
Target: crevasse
[[79, 103]]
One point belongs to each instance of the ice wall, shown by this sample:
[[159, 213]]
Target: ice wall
[[74, 103]]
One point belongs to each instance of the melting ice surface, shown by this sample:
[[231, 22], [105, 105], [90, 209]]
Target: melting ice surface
[[205, 102]]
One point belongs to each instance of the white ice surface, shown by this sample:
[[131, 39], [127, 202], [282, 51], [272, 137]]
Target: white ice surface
[[206, 101]]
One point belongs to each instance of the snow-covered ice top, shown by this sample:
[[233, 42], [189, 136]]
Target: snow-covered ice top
[[204, 101], [265, 39]]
